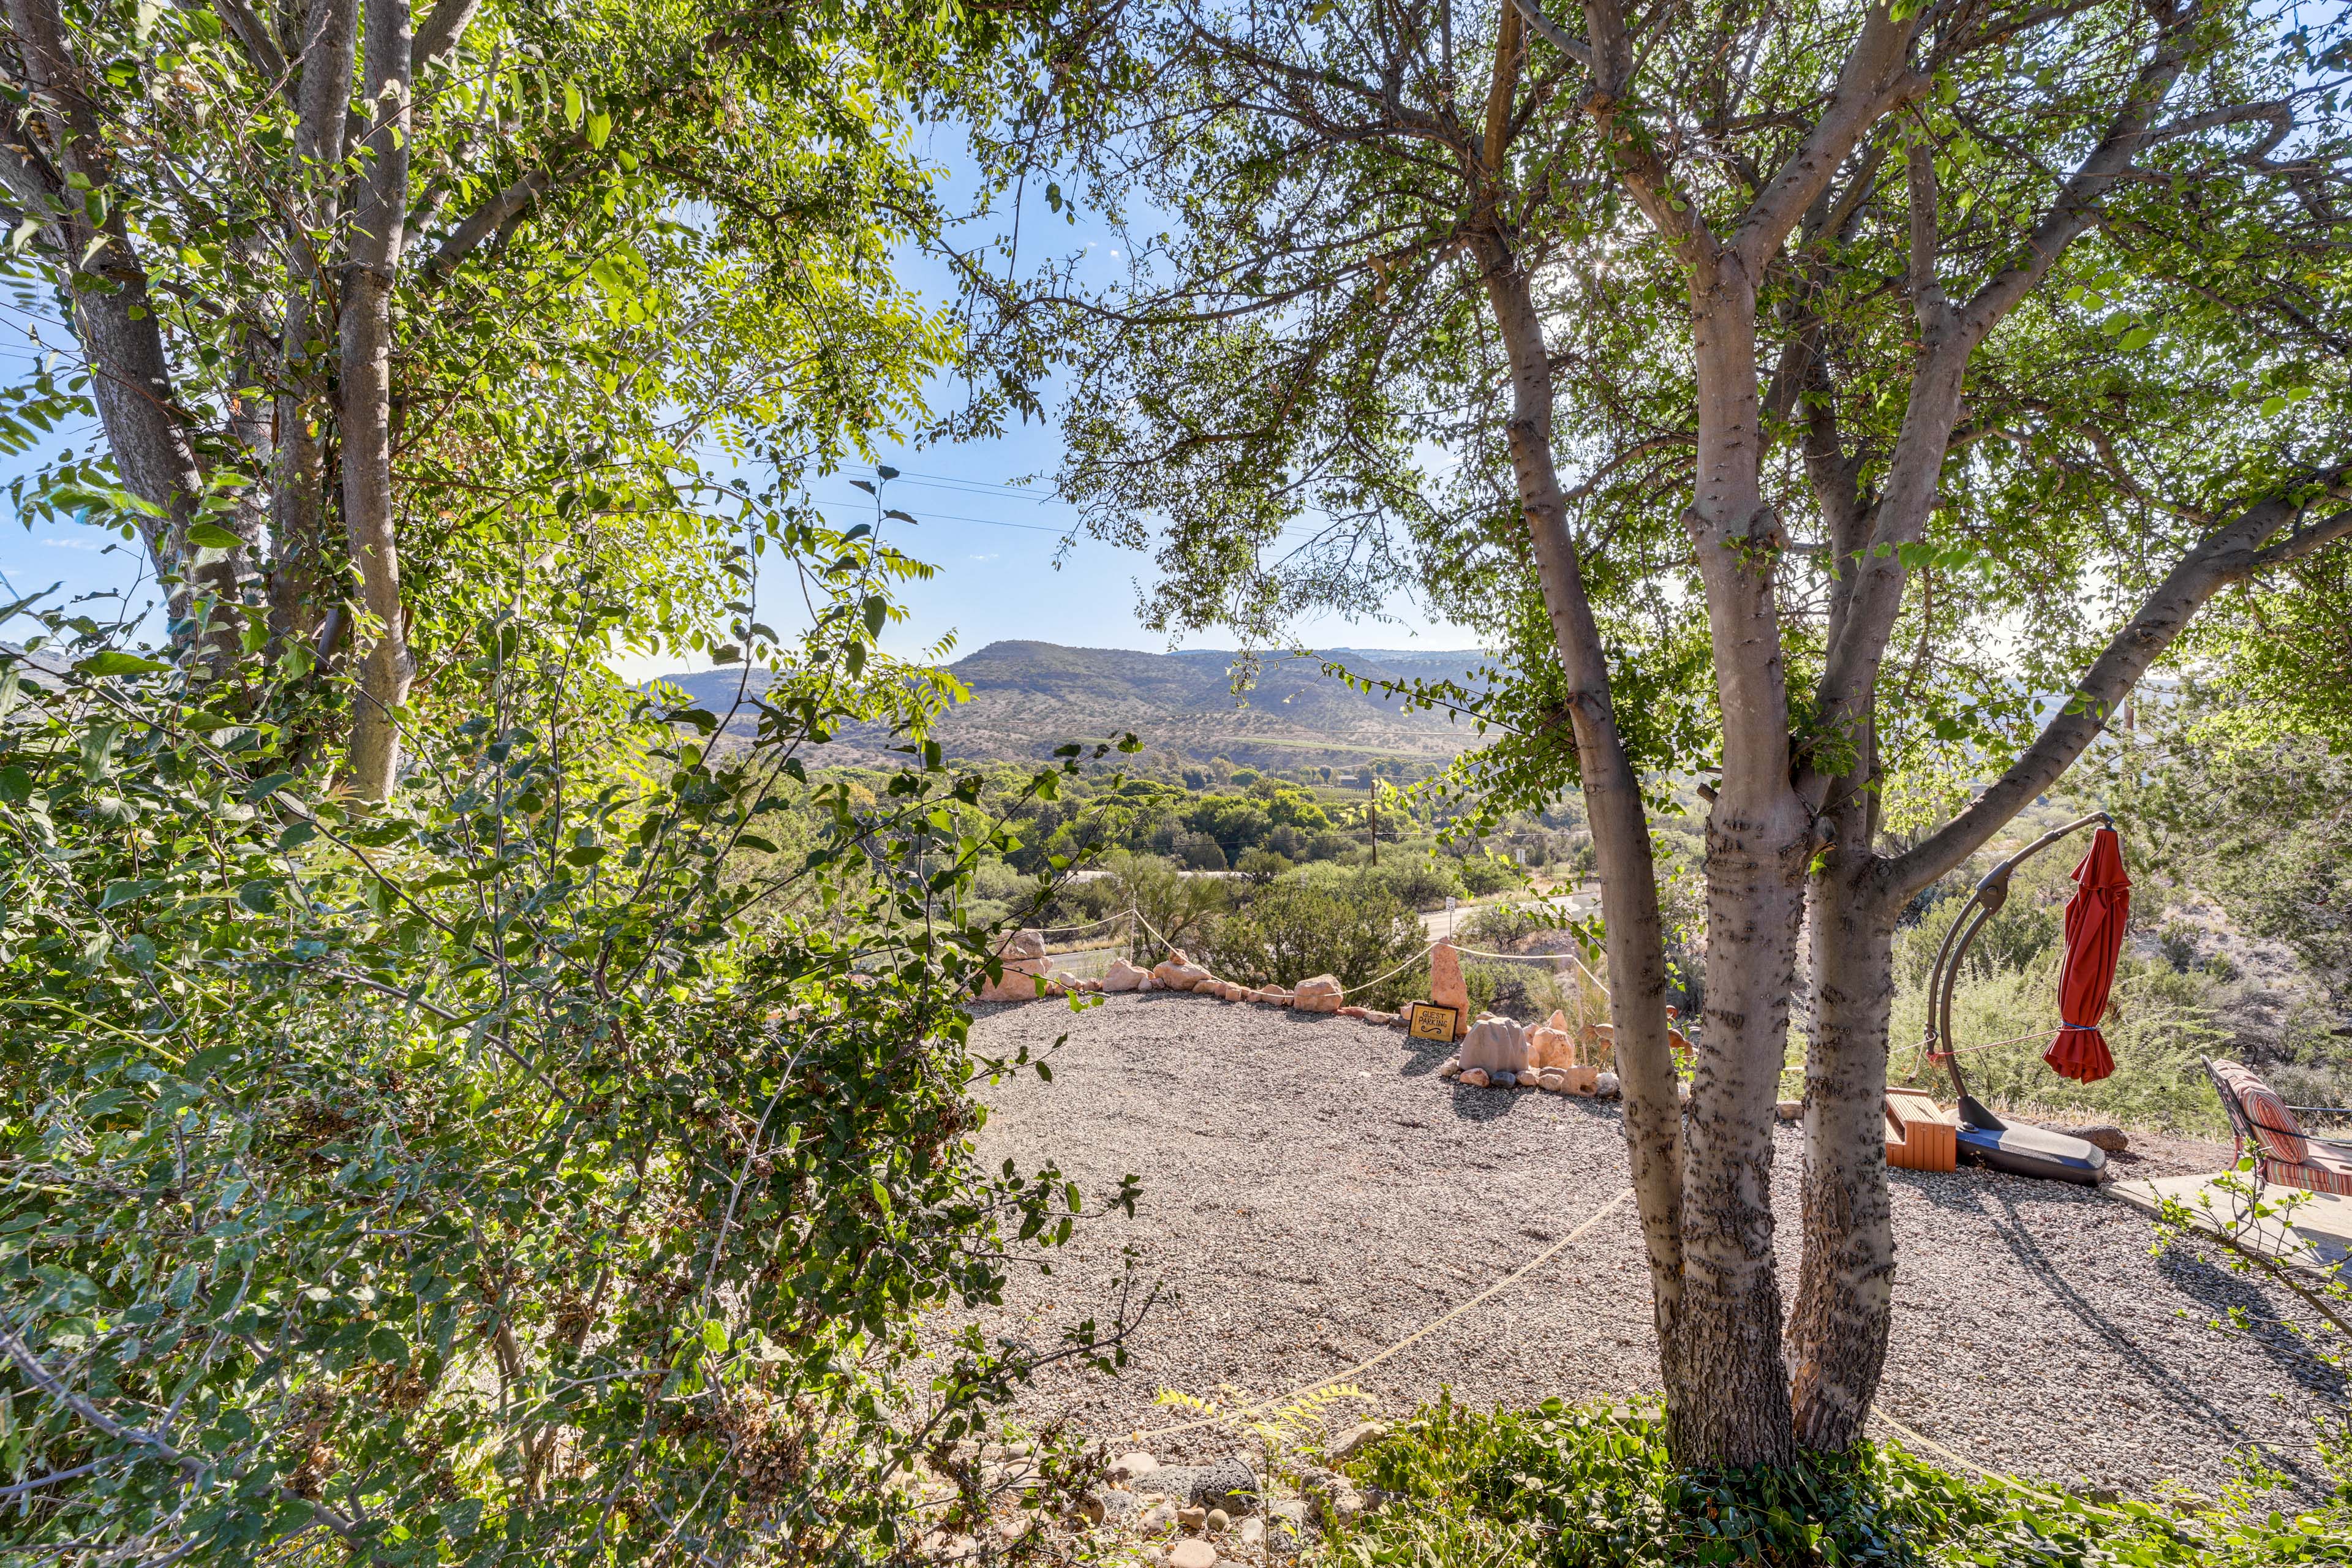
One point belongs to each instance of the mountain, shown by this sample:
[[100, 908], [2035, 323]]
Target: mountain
[[1028, 698]]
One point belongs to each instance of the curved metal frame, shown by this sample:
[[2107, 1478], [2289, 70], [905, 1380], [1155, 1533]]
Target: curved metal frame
[[1991, 893]]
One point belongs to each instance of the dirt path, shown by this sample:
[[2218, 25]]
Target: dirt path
[[1313, 1194]]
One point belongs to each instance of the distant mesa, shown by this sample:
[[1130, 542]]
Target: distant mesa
[[1027, 698]]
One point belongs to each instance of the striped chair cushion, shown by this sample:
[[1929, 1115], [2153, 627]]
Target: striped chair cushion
[[2319, 1171], [2274, 1125]]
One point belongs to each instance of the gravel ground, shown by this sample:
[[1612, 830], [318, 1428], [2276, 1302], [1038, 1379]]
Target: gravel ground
[[1312, 1192]]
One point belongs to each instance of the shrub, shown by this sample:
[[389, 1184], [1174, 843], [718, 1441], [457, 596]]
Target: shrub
[[1483, 874], [1261, 865], [1581, 1487], [502, 1172], [1421, 881], [1352, 928], [1200, 852]]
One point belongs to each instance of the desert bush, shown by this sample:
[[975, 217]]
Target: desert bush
[[1177, 907], [1354, 927], [1484, 874], [1260, 867], [1522, 991], [1418, 881]]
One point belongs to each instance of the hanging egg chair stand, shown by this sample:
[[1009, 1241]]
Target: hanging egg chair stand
[[2013, 1146]]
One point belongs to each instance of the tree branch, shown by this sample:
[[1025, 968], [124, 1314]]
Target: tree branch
[[255, 34], [2229, 555], [1873, 82], [1551, 33], [2075, 209], [1508, 51], [442, 30], [501, 208]]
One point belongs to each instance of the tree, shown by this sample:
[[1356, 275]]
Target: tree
[[360, 294], [1820, 306]]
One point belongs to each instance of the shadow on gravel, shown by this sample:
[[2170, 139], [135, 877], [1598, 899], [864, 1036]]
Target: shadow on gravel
[[2217, 1289], [1428, 1056], [2010, 1225], [1483, 1104]]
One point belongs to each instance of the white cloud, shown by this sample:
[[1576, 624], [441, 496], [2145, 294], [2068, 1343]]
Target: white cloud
[[73, 544], [988, 557]]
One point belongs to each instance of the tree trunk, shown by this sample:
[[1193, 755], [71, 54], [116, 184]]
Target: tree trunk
[[1845, 1286], [304, 581], [1621, 829], [1760, 838], [130, 381], [376, 242]]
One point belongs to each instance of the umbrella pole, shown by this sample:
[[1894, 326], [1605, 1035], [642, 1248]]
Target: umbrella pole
[[1992, 892]]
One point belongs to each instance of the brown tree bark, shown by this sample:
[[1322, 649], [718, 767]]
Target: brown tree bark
[[115, 319], [378, 236], [1635, 932]]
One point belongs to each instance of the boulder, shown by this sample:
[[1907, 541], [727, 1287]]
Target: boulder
[[1229, 1484], [1320, 995], [1124, 976], [1023, 956], [1130, 1467], [1554, 1079], [1446, 986], [1504, 1079], [1450, 1067], [1177, 972], [1374, 1016], [2100, 1135], [1604, 1084], [1550, 1048], [1353, 1011], [1194, 1552], [1019, 984], [1789, 1110], [1474, 1077], [1497, 1045], [1345, 1445]]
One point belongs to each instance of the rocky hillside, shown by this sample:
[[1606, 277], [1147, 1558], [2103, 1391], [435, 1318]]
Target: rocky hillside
[[1028, 698]]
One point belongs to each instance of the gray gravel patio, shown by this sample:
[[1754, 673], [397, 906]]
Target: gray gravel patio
[[1312, 1192]]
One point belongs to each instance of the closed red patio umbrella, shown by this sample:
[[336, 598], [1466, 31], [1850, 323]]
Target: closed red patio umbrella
[[2095, 918]]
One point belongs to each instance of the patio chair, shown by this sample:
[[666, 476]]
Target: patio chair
[[2268, 1127]]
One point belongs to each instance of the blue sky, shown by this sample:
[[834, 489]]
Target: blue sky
[[995, 544]]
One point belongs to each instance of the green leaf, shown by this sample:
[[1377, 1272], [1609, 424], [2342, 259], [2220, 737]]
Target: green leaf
[[573, 106], [258, 896], [113, 661], [213, 536]]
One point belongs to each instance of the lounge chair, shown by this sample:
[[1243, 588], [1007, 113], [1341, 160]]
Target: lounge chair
[[2271, 1129]]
